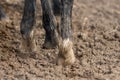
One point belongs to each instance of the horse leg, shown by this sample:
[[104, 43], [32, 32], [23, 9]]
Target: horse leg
[[66, 55], [27, 25], [49, 24]]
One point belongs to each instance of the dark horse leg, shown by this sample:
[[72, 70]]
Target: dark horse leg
[[27, 25], [49, 23], [63, 37], [66, 54]]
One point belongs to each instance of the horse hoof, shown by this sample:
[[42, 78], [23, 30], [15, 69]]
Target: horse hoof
[[49, 45]]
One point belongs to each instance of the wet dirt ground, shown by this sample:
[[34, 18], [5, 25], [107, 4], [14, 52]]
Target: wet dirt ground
[[96, 25]]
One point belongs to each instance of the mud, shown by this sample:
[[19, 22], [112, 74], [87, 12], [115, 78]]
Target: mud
[[96, 25]]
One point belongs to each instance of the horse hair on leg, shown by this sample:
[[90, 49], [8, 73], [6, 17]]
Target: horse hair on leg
[[66, 54], [27, 25]]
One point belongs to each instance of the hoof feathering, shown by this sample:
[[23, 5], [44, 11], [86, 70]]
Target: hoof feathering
[[66, 55], [28, 43]]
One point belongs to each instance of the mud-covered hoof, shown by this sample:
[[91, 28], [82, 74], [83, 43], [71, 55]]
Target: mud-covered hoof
[[28, 46], [66, 54], [69, 60], [49, 45], [28, 42]]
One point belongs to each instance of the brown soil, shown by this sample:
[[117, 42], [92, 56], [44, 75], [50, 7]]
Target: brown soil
[[96, 26]]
